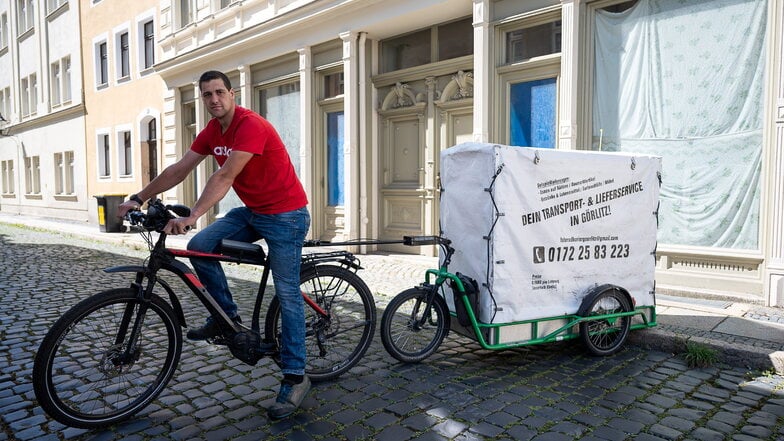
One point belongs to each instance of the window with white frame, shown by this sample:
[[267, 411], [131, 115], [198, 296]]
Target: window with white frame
[[187, 12], [125, 153], [7, 172], [148, 44], [33, 175], [104, 156], [61, 81], [122, 43], [29, 95], [66, 66], [53, 5], [69, 172], [64, 173], [101, 64], [5, 103], [3, 31], [25, 15]]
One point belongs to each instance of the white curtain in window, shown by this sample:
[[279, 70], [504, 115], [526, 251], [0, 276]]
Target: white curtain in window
[[283, 113], [684, 80]]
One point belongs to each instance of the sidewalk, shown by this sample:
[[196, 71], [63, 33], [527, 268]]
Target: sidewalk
[[744, 335]]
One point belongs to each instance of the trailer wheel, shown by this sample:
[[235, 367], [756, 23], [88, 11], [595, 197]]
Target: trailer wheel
[[605, 336]]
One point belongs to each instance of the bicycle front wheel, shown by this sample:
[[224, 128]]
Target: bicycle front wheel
[[410, 332], [337, 338], [90, 371]]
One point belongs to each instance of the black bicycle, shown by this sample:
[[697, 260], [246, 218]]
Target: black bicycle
[[113, 353]]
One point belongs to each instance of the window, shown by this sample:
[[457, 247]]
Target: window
[[279, 104], [64, 173], [53, 5], [534, 41], [66, 63], [7, 171], [187, 11], [61, 81], [125, 154], [123, 56], [3, 31], [455, 39], [29, 95], [442, 42], [532, 111], [104, 156], [700, 104], [33, 175], [101, 64], [225, 3], [149, 44], [56, 81], [69, 172], [333, 85], [335, 158], [25, 15], [5, 103]]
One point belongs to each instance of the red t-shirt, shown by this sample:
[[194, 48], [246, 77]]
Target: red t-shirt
[[268, 184]]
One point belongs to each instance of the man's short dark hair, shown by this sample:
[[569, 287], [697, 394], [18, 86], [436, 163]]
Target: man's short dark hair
[[215, 75]]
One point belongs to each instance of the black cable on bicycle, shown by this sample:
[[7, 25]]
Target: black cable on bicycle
[[489, 236]]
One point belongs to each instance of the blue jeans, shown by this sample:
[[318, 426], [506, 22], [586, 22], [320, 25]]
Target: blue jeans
[[284, 234]]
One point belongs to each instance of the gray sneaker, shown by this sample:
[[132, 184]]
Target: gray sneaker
[[289, 399]]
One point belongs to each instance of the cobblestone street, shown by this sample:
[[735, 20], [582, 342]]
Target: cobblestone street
[[546, 392]]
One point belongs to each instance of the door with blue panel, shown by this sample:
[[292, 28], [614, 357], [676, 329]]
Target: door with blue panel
[[532, 113], [334, 176]]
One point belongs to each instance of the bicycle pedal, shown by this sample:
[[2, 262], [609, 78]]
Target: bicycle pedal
[[268, 349], [218, 340]]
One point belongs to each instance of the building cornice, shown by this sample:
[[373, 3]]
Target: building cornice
[[49, 118]]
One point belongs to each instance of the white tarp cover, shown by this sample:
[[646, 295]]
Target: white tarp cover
[[537, 228]]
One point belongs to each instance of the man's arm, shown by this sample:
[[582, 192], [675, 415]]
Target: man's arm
[[169, 177], [215, 189]]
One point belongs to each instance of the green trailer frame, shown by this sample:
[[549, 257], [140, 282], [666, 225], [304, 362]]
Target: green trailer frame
[[566, 326]]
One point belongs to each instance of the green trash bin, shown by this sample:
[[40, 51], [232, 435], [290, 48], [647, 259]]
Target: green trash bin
[[107, 212]]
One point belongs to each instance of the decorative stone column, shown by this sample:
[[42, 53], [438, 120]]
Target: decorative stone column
[[483, 70], [773, 234], [568, 94], [306, 100], [351, 131]]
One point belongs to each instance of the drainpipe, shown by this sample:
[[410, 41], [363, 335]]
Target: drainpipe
[[364, 145]]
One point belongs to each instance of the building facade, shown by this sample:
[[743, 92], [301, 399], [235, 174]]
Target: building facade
[[367, 93], [42, 146], [124, 96]]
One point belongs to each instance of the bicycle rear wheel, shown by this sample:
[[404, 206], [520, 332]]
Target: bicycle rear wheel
[[83, 375], [335, 342], [408, 332]]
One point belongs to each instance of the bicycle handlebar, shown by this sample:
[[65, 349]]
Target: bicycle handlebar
[[157, 216]]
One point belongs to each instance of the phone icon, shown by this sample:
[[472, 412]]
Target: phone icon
[[538, 254]]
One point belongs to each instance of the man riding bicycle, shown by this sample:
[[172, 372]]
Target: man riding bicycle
[[254, 162]]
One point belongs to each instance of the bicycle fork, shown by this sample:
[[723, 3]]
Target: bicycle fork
[[132, 320]]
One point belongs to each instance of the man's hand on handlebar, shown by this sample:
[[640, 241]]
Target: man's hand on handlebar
[[180, 225], [125, 207]]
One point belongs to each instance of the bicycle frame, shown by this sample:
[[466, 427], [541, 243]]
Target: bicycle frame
[[163, 258]]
